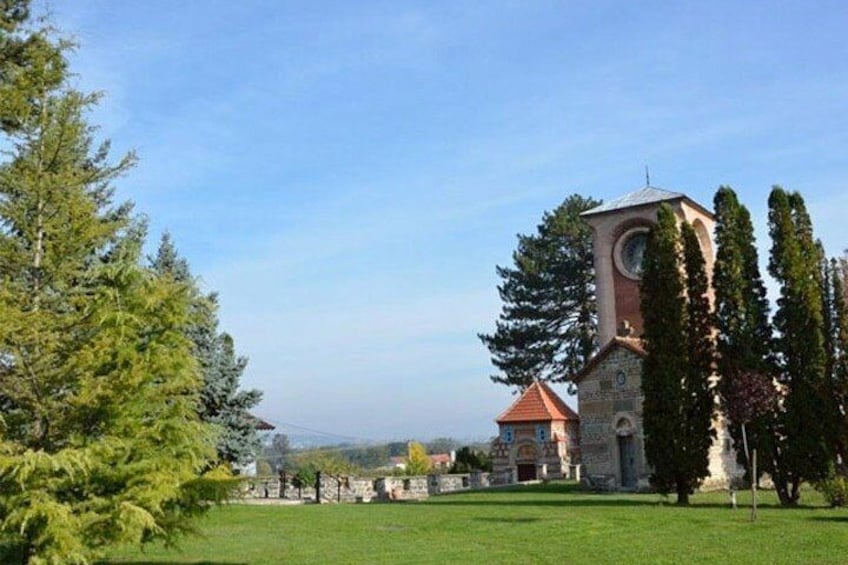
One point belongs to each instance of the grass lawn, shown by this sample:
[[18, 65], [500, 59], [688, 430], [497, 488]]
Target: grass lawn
[[535, 524]]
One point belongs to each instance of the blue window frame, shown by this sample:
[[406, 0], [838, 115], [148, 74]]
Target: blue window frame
[[506, 435]]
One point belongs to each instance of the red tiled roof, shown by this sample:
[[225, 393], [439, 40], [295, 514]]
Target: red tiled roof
[[537, 404], [629, 343], [440, 458]]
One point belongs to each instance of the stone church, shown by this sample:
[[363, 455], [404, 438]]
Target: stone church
[[609, 394]]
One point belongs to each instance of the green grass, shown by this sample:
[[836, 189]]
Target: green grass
[[536, 524]]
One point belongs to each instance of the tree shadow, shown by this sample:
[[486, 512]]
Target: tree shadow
[[136, 562], [506, 520], [842, 519]]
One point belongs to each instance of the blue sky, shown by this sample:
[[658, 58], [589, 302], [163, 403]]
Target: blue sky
[[348, 174]]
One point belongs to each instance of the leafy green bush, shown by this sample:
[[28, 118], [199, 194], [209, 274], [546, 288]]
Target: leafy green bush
[[834, 489]]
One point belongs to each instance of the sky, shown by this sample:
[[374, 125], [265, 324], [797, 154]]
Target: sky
[[347, 175]]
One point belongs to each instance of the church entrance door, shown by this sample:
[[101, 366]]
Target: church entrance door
[[526, 472], [627, 461]]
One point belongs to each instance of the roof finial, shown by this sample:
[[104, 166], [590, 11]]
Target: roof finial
[[647, 176]]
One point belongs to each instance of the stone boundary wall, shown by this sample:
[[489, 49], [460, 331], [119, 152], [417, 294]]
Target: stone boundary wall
[[364, 489]]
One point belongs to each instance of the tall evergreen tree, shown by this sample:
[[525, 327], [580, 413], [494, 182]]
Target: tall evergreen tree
[[99, 437], [699, 396], [665, 366], [741, 315], [223, 403], [678, 400], [799, 449], [836, 347], [547, 329]]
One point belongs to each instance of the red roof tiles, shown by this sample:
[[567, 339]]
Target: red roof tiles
[[537, 404]]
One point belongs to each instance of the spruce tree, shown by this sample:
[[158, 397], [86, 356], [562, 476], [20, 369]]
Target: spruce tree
[[223, 403], [799, 449], [99, 436], [741, 319], [547, 329]]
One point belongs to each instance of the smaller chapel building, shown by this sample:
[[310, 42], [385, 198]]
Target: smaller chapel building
[[538, 438]]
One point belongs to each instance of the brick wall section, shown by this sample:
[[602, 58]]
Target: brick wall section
[[603, 403]]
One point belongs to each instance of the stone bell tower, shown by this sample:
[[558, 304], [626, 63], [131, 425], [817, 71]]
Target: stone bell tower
[[620, 229], [609, 387]]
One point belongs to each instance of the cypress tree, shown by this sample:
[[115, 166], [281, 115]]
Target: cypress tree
[[699, 397], [547, 329], [836, 348], [799, 449], [741, 318], [665, 365]]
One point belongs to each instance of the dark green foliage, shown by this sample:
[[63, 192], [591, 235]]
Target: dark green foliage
[[222, 402], [799, 450], [742, 318], [663, 312], [835, 320], [548, 325], [699, 398], [469, 459], [677, 407]]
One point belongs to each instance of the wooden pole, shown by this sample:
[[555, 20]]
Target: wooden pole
[[318, 487], [754, 486]]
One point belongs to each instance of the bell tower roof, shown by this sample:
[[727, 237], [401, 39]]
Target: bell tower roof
[[642, 197]]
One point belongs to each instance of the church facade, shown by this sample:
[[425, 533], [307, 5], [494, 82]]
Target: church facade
[[609, 393]]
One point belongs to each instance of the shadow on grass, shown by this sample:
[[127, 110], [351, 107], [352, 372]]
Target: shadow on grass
[[506, 520], [171, 563], [576, 497], [842, 519]]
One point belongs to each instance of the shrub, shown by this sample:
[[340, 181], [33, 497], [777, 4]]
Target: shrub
[[834, 489]]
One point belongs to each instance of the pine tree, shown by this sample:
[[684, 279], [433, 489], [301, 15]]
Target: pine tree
[[99, 437], [742, 319], [799, 449], [222, 402], [547, 329]]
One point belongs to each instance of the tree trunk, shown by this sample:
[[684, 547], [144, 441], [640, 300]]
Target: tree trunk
[[682, 493], [754, 486]]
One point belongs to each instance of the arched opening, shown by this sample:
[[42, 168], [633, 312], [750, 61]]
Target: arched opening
[[626, 453], [525, 461]]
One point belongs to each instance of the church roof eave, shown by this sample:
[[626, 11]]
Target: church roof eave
[[643, 197], [630, 343]]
